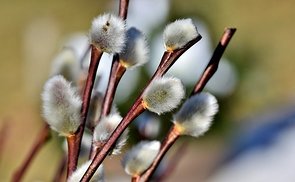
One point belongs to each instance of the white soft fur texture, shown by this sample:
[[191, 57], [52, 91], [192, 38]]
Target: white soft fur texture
[[108, 33], [163, 95], [140, 157], [196, 114], [61, 106], [106, 127], [178, 33], [135, 51]]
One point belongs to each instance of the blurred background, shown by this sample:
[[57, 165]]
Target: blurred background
[[252, 133]]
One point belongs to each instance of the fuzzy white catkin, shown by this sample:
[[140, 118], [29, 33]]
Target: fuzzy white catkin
[[66, 64], [61, 106], [163, 95], [108, 33], [106, 127], [135, 51], [178, 33], [196, 114], [140, 157], [78, 174]]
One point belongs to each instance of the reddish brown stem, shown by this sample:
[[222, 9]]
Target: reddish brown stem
[[71, 151], [77, 138], [123, 9], [95, 148], [167, 61], [95, 58], [170, 139], [58, 177], [136, 110], [42, 137], [135, 179], [214, 61], [169, 58], [117, 71]]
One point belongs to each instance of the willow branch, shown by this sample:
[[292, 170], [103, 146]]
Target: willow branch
[[101, 155], [123, 9], [60, 170], [135, 179], [214, 61], [168, 59], [77, 138], [117, 71], [208, 73], [116, 74], [169, 140]]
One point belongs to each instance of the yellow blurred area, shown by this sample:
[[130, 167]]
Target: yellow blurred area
[[262, 49]]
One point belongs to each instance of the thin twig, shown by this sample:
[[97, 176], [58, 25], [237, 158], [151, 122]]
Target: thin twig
[[169, 140], [136, 109], [169, 58], [135, 179], [167, 61], [123, 9], [116, 74], [117, 71], [41, 139], [215, 59], [58, 177], [77, 138], [71, 167]]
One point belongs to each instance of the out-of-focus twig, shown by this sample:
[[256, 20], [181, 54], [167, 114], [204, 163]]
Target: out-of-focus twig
[[42, 137], [58, 176], [3, 137]]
